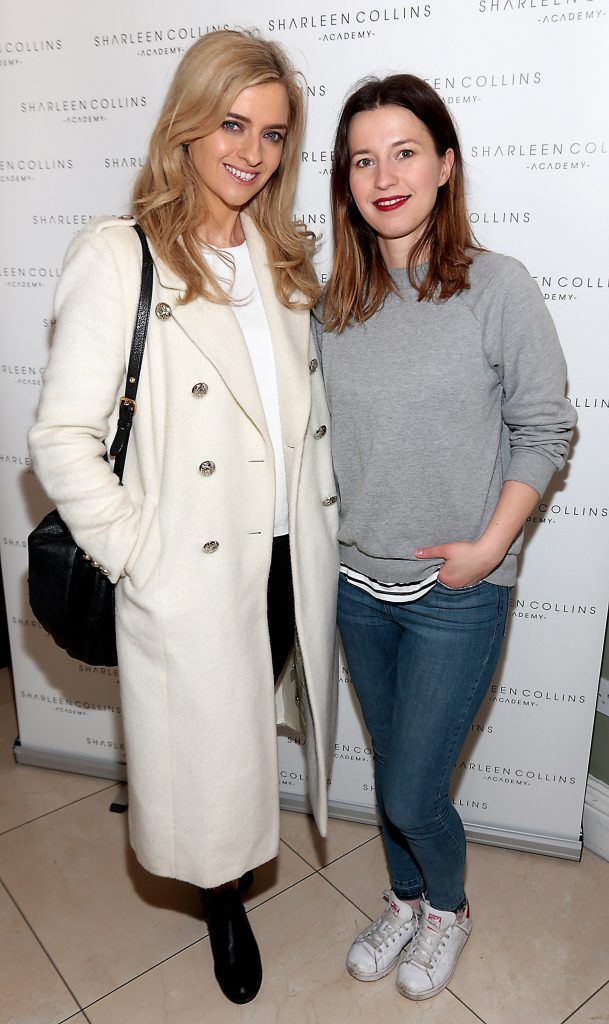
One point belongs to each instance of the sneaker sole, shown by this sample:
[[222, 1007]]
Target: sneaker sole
[[418, 996], [379, 974]]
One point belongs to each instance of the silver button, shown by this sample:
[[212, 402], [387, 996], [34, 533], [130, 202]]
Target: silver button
[[320, 432], [163, 310], [330, 501], [200, 389], [313, 365], [210, 547], [207, 468]]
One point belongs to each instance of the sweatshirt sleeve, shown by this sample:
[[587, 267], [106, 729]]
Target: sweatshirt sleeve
[[532, 368], [80, 388]]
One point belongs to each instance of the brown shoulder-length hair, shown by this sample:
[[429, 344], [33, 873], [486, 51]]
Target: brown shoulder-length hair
[[360, 280], [167, 199]]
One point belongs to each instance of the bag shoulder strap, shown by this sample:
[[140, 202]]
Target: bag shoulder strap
[[118, 449]]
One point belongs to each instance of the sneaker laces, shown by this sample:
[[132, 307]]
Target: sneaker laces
[[427, 944], [385, 927]]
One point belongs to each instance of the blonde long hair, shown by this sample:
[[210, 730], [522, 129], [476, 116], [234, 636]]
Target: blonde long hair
[[167, 199]]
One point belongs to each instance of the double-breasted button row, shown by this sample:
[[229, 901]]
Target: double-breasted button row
[[320, 432], [210, 546], [313, 365], [162, 310], [200, 389], [207, 468]]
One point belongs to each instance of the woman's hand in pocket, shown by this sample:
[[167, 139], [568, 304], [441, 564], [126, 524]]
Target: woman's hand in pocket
[[465, 562]]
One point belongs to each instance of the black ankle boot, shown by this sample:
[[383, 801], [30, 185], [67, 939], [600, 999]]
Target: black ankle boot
[[237, 963], [246, 882]]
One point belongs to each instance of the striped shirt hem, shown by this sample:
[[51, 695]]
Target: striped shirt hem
[[393, 593]]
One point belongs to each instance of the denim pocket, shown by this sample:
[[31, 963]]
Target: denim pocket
[[460, 590]]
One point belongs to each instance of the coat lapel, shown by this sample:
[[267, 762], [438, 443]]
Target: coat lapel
[[214, 329]]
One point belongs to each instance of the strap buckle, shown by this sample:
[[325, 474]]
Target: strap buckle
[[129, 402]]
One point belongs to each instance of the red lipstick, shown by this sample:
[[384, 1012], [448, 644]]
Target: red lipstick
[[387, 203]]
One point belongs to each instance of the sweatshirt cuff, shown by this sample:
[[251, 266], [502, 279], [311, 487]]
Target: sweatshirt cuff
[[529, 467]]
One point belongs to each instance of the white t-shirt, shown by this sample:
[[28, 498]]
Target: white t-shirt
[[249, 310]]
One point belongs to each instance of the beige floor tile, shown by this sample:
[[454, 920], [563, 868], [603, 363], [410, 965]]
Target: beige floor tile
[[303, 935], [102, 917], [276, 876], [300, 832], [362, 877], [594, 1012], [539, 945], [26, 793], [7, 693], [31, 988]]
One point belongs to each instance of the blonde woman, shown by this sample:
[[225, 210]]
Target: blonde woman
[[222, 539]]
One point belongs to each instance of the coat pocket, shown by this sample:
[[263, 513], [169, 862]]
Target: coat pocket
[[142, 559]]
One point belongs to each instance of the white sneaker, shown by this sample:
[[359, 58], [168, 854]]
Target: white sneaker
[[430, 962], [376, 950]]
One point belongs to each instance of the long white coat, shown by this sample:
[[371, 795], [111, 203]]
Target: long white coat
[[194, 657]]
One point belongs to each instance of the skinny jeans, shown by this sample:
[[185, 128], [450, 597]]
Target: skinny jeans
[[420, 672]]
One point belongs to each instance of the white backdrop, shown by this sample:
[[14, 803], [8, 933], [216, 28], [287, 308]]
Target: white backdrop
[[526, 81]]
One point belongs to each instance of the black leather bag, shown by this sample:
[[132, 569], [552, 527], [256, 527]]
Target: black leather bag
[[70, 594]]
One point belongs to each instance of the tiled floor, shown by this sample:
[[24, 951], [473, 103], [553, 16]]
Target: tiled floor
[[88, 935]]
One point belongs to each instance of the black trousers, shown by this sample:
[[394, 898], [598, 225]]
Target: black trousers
[[280, 604]]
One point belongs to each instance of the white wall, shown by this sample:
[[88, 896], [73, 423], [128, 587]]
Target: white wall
[[526, 82]]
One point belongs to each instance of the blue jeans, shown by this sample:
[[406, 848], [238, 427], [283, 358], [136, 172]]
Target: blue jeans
[[421, 671]]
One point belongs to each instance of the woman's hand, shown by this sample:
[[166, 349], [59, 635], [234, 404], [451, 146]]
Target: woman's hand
[[468, 562], [465, 563]]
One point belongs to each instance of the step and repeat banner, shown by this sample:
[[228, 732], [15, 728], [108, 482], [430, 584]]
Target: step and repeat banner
[[526, 81]]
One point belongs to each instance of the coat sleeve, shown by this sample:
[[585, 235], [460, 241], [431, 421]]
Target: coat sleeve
[[530, 362], [80, 388]]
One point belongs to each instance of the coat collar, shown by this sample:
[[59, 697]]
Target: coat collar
[[214, 329]]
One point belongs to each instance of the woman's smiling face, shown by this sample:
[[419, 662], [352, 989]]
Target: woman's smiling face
[[235, 162], [395, 173]]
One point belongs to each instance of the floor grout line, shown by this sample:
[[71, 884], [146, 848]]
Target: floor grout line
[[314, 871], [46, 814], [148, 970], [202, 938], [344, 895], [302, 857], [577, 1008], [466, 1005], [358, 847], [42, 946], [335, 859], [287, 888], [79, 1013], [177, 952]]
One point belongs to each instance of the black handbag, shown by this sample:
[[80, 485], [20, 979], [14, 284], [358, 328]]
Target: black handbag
[[70, 594]]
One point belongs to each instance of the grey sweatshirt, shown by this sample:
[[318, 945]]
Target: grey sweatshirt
[[434, 406]]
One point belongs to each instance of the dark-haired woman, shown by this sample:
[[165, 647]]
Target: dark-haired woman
[[445, 382]]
